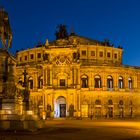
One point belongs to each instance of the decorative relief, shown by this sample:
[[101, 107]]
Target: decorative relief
[[61, 60], [58, 70]]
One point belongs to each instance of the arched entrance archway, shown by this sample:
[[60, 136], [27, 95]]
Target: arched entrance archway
[[60, 107]]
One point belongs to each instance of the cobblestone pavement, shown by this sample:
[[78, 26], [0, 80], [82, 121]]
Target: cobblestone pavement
[[79, 130]]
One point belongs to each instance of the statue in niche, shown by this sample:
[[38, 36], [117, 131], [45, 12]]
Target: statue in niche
[[71, 110], [48, 114], [74, 56], [45, 56], [78, 55]]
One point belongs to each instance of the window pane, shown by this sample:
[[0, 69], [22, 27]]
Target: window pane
[[39, 55], [31, 56], [92, 53], [25, 57], [101, 54], [62, 82], [84, 53], [108, 54], [115, 56]]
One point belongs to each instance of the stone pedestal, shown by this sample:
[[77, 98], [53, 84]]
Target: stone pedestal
[[14, 116]]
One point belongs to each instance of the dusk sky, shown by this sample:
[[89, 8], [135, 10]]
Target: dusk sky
[[32, 21]]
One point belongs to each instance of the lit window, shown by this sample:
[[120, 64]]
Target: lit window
[[109, 82], [101, 54], [130, 83], [39, 55], [84, 53], [84, 81], [115, 56], [92, 53], [40, 82], [108, 54], [62, 82], [30, 83], [31, 56], [97, 82], [120, 84], [25, 57]]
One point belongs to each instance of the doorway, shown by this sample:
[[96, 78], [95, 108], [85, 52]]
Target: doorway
[[60, 107]]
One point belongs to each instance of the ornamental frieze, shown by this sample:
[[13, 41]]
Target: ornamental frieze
[[61, 60]]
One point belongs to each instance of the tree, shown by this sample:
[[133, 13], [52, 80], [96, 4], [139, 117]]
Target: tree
[[61, 32]]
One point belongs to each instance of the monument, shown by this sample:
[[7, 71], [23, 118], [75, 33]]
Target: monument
[[15, 112]]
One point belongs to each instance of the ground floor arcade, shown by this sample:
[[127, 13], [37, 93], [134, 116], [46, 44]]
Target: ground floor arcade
[[72, 103]]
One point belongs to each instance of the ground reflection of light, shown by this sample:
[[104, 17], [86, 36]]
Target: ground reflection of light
[[119, 124]]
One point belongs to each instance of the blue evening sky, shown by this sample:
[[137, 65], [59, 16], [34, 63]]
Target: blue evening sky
[[33, 21]]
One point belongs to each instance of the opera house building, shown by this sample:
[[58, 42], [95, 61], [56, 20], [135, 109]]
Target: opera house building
[[79, 77]]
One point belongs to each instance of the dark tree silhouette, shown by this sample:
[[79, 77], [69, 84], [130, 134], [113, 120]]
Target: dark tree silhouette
[[61, 32]]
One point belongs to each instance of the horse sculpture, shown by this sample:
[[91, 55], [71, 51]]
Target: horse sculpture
[[5, 29]]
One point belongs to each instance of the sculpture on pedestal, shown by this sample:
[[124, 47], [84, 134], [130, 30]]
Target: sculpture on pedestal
[[5, 29]]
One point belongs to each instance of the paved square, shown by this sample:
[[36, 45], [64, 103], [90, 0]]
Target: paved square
[[80, 130]]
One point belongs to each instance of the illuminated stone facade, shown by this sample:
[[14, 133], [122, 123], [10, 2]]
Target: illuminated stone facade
[[80, 77]]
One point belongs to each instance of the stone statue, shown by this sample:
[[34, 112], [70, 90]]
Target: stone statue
[[61, 33], [5, 29], [47, 42]]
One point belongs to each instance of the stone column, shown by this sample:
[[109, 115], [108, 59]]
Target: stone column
[[116, 81], [72, 76], [35, 81], [75, 75], [51, 73], [44, 76], [104, 80], [48, 76], [78, 75]]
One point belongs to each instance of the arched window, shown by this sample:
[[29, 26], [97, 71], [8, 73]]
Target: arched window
[[97, 81], [121, 102], [84, 81], [40, 82], [30, 82], [130, 83], [120, 83], [74, 56], [98, 102], [110, 102], [20, 81], [109, 82]]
